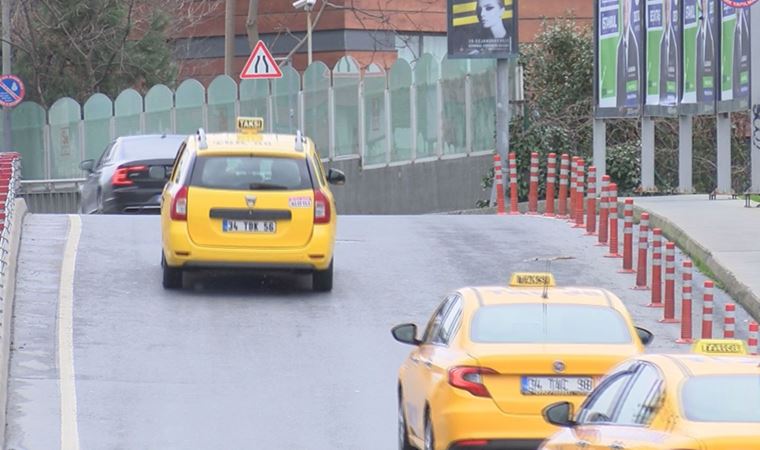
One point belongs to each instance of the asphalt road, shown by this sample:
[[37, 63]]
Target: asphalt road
[[240, 362]]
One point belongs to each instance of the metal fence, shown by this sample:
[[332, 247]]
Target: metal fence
[[427, 110]]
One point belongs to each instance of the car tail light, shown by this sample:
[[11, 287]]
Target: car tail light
[[121, 176], [179, 205], [470, 379], [321, 207]]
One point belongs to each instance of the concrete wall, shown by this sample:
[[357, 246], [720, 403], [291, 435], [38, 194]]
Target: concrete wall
[[423, 187]]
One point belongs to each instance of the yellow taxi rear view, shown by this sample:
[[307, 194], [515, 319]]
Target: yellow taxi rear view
[[706, 400], [249, 200], [491, 358]]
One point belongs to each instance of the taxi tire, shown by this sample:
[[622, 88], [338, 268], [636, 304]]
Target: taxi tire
[[403, 431], [172, 276], [322, 280], [429, 438]]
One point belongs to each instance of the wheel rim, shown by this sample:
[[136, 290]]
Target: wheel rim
[[401, 427], [428, 435]]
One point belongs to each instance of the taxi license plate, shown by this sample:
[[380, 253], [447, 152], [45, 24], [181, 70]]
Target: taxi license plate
[[556, 385], [249, 226]]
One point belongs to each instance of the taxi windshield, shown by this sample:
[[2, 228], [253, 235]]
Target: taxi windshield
[[739, 398], [525, 323], [251, 173]]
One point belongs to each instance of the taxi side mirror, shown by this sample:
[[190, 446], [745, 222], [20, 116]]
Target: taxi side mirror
[[559, 414], [406, 334], [87, 165], [645, 335], [336, 177]]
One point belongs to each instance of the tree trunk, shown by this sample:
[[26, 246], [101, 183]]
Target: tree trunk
[[252, 23]]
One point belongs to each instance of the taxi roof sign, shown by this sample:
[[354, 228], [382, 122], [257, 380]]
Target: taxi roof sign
[[532, 279], [720, 347], [250, 125]]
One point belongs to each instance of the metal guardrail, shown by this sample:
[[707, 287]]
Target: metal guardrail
[[52, 196]]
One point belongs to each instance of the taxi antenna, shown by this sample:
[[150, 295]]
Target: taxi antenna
[[299, 141], [548, 261], [202, 142]]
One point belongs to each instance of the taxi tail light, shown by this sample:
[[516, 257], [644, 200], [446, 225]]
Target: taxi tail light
[[121, 176], [179, 205], [321, 207], [470, 379]]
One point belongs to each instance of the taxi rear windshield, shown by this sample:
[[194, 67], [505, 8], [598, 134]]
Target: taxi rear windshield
[[253, 173], [739, 398], [550, 324]]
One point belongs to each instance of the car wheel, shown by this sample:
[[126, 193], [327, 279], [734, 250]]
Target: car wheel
[[403, 433], [99, 207], [322, 280], [172, 275], [429, 435]]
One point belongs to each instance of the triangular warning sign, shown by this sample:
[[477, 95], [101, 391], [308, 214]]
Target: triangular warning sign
[[260, 64]]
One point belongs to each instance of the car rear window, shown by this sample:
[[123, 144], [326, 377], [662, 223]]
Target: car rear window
[[150, 148], [739, 398], [546, 323], [251, 173]]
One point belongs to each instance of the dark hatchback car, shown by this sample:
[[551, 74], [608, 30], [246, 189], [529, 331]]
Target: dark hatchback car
[[130, 175]]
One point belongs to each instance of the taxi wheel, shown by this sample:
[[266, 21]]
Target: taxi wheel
[[429, 437], [172, 275], [403, 433], [322, 280]]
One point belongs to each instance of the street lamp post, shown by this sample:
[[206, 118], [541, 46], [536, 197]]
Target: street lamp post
[[306, 5]]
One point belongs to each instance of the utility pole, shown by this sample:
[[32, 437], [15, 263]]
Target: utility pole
[[229, 37], [754, 114], [6, 49]]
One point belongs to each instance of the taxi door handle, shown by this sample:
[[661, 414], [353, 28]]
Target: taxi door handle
[[583, 444], [617, 446]]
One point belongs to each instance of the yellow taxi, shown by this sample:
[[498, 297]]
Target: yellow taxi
[[249, 200], [491, 359], [707, 400]]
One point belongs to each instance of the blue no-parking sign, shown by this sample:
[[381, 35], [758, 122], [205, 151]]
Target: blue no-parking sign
[[11, 90]]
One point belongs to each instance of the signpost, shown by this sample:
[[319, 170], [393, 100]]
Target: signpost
[[755, 92]]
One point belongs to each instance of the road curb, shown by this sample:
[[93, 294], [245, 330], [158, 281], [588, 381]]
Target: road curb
[[735, 288], [8, 291]]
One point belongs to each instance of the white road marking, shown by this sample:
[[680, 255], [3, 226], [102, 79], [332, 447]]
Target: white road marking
[[67, 381]]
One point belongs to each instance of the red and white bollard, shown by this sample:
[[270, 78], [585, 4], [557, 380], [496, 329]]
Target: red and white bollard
[[513, 208], [499, 184], [686, 317], [669, 309], [628, 237], [533, 188], [641, 264], [613, 215], [604, 211], [563, 169], [591, 202], [573, 193], [707, 311], [752, 341], [656, 269], [579, 177], [729, 322], [551, 178]]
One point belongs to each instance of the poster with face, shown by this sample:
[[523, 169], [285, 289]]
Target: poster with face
[[482, 28], [619, 52], [699, 55], [734, 61], [663, 52]]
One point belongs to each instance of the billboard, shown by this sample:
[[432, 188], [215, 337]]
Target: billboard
[[619, 58], [482, 28], [700, 62], [663, 56], [734, 59]]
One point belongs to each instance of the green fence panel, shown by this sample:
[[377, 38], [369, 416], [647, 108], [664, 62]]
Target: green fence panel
[[346, 78], [285, 101], [66, 151], [159, 102], [316, 95], [98, 111], [375, 129], [254, 100], [400, 82], [426, 75], [453, 75], [222, 95], [127, 109], [28, 134], [189, 100], [483, 90]]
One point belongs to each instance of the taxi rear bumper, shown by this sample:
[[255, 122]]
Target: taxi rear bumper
[[181, 251]]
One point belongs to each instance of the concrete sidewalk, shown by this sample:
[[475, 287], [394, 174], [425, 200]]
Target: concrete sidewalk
[[722, 233]]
